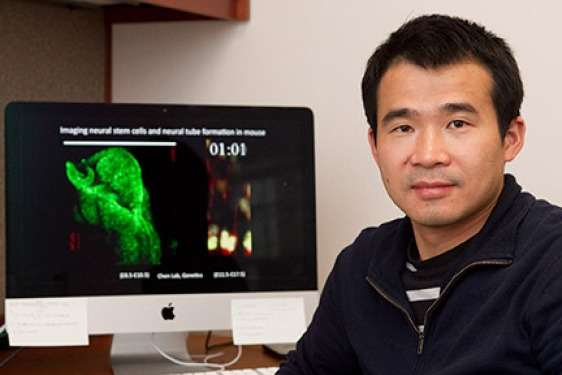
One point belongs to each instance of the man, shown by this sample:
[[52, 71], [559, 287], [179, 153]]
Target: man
[[470, 281]]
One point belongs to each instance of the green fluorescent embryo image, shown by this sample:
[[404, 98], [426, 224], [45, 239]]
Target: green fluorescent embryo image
[[112, 196]]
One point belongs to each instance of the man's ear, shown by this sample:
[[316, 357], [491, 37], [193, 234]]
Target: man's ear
[[514, 138], [371, 138]]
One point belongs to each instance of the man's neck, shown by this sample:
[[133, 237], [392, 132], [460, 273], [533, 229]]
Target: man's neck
[[434, 241]]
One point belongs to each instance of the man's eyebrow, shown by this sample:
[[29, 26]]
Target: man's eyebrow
[[459, 107], [398, 113]]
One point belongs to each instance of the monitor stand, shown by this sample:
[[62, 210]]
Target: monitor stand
[[134, 353]]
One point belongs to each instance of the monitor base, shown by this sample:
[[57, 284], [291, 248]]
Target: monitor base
[[134, 353]]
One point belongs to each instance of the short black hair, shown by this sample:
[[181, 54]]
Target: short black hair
[[433, 41]]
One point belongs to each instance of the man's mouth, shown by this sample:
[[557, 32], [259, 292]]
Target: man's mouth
[[432, 189]]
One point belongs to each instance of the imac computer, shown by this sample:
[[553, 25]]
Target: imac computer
[[145, 208]]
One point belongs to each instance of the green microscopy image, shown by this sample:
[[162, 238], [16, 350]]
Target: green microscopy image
[[112, 196]]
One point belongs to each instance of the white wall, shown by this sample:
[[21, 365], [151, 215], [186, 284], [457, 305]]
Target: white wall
[[312, 53]]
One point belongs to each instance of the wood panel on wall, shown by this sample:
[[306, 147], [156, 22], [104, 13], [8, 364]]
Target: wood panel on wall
[[50, 52]]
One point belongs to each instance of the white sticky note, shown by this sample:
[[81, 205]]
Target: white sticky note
[[47, 322], [267, 320]]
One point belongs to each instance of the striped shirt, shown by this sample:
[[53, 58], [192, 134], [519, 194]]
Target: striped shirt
[[422, 279]]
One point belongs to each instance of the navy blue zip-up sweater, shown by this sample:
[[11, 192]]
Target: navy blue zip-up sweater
[[499, 312]]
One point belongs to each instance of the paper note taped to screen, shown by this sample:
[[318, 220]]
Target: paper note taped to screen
[[267, 320], [47, 322]]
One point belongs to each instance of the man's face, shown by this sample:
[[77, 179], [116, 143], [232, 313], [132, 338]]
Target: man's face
[[438, 148]]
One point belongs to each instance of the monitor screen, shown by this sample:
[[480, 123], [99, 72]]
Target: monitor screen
[[141, 207]]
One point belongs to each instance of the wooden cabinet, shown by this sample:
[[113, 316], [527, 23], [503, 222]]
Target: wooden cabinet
[[178, 10]]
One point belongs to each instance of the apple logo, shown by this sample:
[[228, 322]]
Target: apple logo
[[168, 312]]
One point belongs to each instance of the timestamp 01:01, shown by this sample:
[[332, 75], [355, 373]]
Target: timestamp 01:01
[[228, 149]]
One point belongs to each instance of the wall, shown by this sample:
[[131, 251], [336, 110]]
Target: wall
[[312, 53], [49, 52]]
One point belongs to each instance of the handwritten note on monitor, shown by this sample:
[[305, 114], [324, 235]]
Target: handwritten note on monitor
[[267, 320], [47, 322]]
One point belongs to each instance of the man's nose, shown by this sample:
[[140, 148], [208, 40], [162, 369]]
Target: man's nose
[[430, 149]]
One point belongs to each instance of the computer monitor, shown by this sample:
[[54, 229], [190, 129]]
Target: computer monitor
[[140, 207]]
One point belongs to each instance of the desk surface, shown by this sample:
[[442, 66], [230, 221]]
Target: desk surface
[[94, 359]]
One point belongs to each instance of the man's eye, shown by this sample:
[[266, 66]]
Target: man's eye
[[457, 124], [403, 129]]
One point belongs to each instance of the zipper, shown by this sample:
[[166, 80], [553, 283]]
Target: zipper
[[421, 335], [404, 311]]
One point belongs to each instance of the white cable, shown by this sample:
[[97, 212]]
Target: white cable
[[238, 355], [2, 328], [205, 363]]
